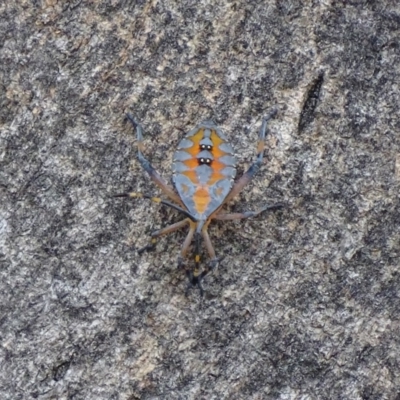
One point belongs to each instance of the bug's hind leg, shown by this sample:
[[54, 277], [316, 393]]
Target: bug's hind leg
[[186, 244], [248, 214], [160, 232], [249, 174], [154, 175]]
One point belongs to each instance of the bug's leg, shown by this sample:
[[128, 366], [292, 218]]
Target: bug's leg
[[194, 275], [154, 175], [157, 200], [186, 244], [160, 232], [248, 214], [248, 175], [191, 274], [213, 258]]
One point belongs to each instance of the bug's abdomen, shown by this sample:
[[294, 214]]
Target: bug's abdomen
[[204, 168]]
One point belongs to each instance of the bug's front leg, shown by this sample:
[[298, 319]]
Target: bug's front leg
[[249, 174], [154, 175]]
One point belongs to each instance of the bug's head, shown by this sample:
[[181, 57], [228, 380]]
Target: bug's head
[[195, 275], [195, 280]]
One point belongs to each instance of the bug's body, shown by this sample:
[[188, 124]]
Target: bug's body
[[204, 169]]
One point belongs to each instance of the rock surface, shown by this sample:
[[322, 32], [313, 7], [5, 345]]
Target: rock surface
[[305, 304]]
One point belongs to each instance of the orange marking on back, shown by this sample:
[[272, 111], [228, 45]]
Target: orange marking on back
[[191, 175], [216, 151], [217, 166], [201, 199], [194, 150], [191, 163], [215, 176]]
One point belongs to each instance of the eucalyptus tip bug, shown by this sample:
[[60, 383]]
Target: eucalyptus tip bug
[[204, 170]]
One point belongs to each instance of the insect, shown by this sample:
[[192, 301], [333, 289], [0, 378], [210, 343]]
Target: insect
[[204, 169]]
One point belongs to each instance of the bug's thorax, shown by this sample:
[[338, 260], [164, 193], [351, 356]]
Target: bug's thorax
[[204, 168]]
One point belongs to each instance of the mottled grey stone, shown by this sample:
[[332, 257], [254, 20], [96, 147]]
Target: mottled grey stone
[[305, 304]]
